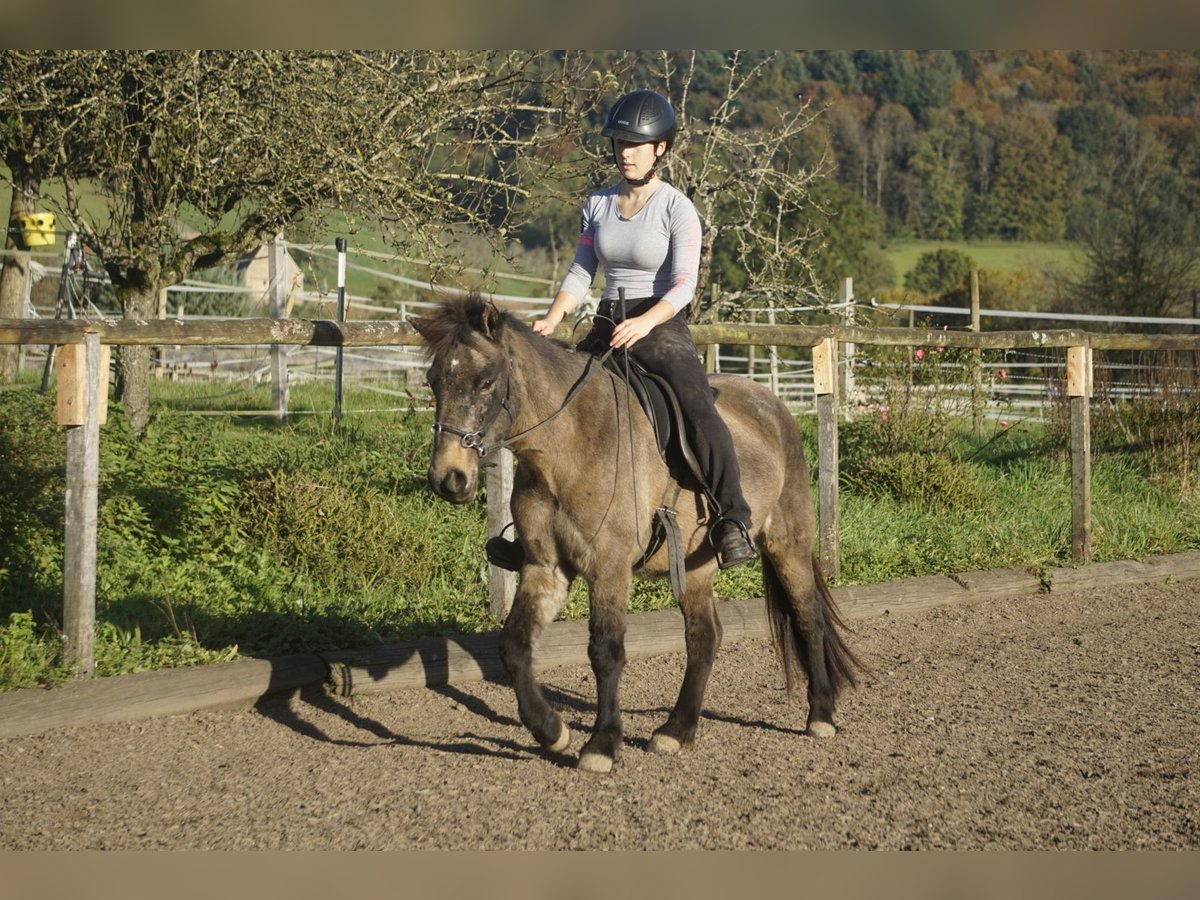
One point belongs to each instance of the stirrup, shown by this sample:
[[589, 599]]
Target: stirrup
[[504, 553], [733, 546]]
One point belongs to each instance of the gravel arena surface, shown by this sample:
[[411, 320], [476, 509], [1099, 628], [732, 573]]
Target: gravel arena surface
[[1041, 722]]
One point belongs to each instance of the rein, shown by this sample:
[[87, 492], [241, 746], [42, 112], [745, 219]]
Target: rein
[[473, 440]]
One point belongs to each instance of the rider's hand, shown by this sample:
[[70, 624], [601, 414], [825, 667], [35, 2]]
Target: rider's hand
[[629, 332], [546, 326]]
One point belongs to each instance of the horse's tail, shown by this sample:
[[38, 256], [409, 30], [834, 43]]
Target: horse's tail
[[789, 632]]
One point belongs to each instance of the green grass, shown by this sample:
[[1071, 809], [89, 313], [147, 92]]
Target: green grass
[[1004, 255], [225, 535]]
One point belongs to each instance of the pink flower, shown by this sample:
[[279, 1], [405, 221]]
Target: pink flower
[[1003, 373], [1004, 423], [941, 349], [920, 354]]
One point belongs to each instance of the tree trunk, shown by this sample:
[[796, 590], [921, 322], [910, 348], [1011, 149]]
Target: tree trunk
[[14, 276], [133, 362]]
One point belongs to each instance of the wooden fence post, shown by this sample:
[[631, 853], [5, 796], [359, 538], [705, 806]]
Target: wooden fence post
[[278, 277], [502, 584], [82, 406], [1079, 390], [825, 387], [773, 354], [751, 350]]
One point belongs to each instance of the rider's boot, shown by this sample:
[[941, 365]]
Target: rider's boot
[[732, 543]]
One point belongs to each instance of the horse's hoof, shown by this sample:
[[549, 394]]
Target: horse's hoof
[[564, 739], [595, 762], [665, 744], [822, 729]]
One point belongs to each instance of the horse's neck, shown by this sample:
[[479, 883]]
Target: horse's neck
[[545, 376]]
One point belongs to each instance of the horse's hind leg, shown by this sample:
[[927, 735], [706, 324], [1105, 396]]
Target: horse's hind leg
[[606, 650], [702, 636], [799, 626], [539, 597]]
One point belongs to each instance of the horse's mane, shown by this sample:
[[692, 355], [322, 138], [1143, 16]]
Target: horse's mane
[[455, 320], [465, 319]]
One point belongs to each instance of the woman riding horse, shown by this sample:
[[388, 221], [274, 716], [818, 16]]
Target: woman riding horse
[[499, 383]]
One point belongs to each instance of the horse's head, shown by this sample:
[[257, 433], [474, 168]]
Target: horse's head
[[470, 373]]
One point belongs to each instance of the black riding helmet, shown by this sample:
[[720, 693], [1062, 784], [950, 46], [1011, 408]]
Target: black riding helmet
[[640, 117]]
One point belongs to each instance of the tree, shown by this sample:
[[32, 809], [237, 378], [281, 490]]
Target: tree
[[243, 145], [891, 131], [748, 183], [1026, 187], [940, 274], [849, 246], [937, 162], [1143, 244], [43, 108]]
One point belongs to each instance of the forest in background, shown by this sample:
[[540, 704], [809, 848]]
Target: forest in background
[[1101, 148]]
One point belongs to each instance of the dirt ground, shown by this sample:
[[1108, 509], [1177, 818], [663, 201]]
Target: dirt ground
[[1040, 722]]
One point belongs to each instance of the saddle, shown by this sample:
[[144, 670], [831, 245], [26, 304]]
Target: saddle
[[658, 401]]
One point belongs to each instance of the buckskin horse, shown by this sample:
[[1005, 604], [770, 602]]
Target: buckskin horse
[[588, 482]]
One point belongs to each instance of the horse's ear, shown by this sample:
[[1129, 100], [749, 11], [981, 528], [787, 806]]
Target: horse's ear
[[420, 325], [489, 320]]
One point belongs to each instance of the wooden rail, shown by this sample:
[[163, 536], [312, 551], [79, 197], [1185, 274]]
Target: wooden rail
[[327, 333], [84, 419]]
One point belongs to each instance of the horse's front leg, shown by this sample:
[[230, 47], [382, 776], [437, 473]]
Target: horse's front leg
[[539, 597], [606, 650]]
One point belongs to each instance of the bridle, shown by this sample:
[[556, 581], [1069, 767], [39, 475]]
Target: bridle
[[473, 440]]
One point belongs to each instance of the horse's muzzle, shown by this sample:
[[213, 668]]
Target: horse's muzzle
[[454, 485]]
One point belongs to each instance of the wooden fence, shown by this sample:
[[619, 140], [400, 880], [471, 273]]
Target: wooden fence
[[82, 395]]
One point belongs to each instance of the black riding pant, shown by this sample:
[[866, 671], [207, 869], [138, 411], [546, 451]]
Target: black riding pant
[[669, 352]]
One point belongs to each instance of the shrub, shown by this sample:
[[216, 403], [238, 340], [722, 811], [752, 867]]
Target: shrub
[[28, 656], [939, 273], [352, 538], [1162, 419], [934, 480]]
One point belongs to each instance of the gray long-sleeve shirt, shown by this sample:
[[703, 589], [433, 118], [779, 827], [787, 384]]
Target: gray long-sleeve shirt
[[655, 253]]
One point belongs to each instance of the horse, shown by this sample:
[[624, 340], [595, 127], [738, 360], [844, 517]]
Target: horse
[[588, 480]]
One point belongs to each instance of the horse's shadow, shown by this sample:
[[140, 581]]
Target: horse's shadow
[[287, 711]]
